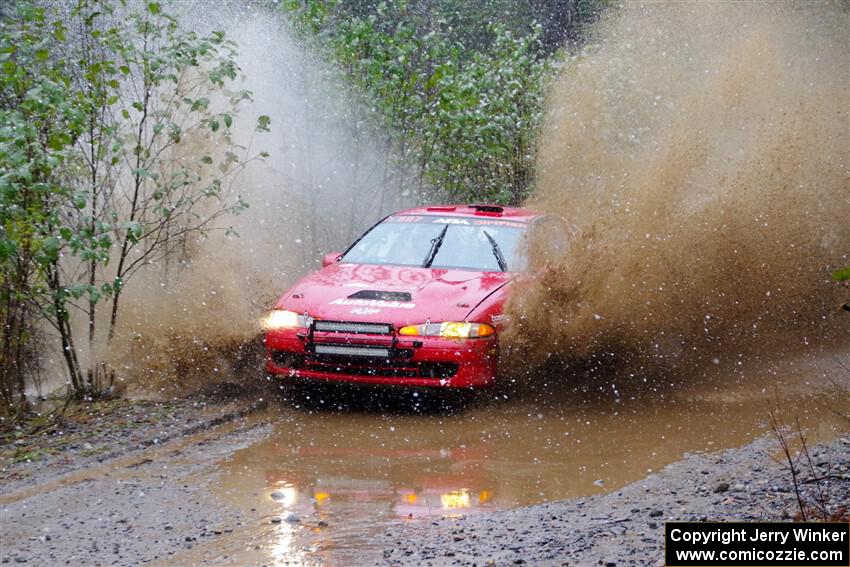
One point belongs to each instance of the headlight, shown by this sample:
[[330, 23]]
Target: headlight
[[282, 319], [449, 330]]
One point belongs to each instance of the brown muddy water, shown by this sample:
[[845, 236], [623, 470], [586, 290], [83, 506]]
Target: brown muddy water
[[337, 478]]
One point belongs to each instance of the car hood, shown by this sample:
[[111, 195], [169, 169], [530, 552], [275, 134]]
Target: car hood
[[393, 294]]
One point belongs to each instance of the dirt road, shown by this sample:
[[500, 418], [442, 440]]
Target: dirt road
[[579, 476]]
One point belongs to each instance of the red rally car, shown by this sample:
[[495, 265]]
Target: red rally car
[[416, 301]]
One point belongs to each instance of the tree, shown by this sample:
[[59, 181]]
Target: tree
[[40, 119], [461, 106], [122, 140], [483, 120]]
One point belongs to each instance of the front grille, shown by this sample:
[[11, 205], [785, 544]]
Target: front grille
[[348, 350], [353, 327], [353, 357], [358, 366], [391, 368]]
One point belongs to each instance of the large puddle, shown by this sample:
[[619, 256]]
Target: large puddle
[[347, 474]]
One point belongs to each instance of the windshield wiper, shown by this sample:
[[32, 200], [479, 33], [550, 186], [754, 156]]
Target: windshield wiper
[[497, 252], [436, 242]]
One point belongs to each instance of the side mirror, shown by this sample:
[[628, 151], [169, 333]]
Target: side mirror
[[331, 258]]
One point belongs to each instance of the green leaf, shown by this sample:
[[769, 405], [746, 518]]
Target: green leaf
[[228, 120], [143, 172], [79, 200], [154, 8], [76, 290], [50, 246], [134, 231], [263, 123], [57, 140], [200, 103], [174, 133], [841, 275]]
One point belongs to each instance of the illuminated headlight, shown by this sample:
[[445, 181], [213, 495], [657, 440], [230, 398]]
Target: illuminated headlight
[[282, 319], [455, 499], [449, 330]]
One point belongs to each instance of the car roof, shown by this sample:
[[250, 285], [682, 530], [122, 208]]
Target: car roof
[[474, 210]]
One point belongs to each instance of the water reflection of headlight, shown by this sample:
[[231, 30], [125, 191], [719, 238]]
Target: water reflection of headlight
[[287, 496], [409, 497], [455, 499]]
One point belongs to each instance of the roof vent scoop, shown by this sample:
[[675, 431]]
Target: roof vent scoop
[[382, 295], [488, 208]]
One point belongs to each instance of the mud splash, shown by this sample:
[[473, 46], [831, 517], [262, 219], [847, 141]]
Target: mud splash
[[328, 176], [703, 150]]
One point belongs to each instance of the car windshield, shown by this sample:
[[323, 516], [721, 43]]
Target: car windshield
[[465, 243]]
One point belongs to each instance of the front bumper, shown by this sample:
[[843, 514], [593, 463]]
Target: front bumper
[[401, 361]]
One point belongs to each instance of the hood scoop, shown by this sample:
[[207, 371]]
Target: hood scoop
[[401, 296]]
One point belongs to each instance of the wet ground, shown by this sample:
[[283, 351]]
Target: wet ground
[[625, 528], [317, 479], [337, 472]]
